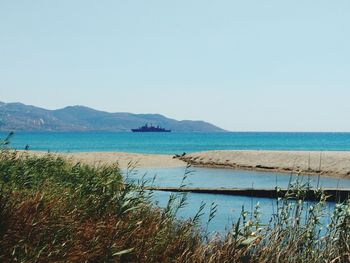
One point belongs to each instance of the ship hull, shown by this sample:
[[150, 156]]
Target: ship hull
[[147, 128], [136, 130]]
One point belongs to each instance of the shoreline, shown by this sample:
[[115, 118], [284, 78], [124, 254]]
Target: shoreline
[[123, 159], [326, 163]]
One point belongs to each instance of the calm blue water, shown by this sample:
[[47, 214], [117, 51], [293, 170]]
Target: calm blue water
[[171, 143], [230, 178], [229, 207]]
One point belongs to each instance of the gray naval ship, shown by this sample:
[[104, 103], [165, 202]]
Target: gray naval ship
[[151, 128]]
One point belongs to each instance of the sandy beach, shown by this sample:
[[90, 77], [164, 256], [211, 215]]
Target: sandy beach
[[327, 163], [124, 159]]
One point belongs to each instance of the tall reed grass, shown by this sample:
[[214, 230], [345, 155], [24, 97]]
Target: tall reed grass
[[55, 210]]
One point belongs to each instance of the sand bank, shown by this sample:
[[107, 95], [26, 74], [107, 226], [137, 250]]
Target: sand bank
[[327, 163], [121, 158]]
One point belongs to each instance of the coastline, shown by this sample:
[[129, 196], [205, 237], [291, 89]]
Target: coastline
[[123, 159], [326, 163]]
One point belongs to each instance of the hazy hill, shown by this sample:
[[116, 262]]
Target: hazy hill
[[21, 117]]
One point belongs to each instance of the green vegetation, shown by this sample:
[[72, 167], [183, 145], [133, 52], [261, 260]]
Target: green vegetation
[[52, 210]]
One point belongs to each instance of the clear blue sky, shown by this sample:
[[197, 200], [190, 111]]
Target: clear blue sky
[[243, 65]]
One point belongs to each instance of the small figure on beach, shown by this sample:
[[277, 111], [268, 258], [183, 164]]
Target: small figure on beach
[[179, 156]]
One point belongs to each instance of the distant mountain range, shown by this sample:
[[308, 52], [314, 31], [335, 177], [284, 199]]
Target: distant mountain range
[[21, 117]]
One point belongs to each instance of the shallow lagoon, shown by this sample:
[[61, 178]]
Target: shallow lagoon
[[229, 207], [231, 178]]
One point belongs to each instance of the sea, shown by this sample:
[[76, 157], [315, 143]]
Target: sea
[[228, 207], [175, 143]]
